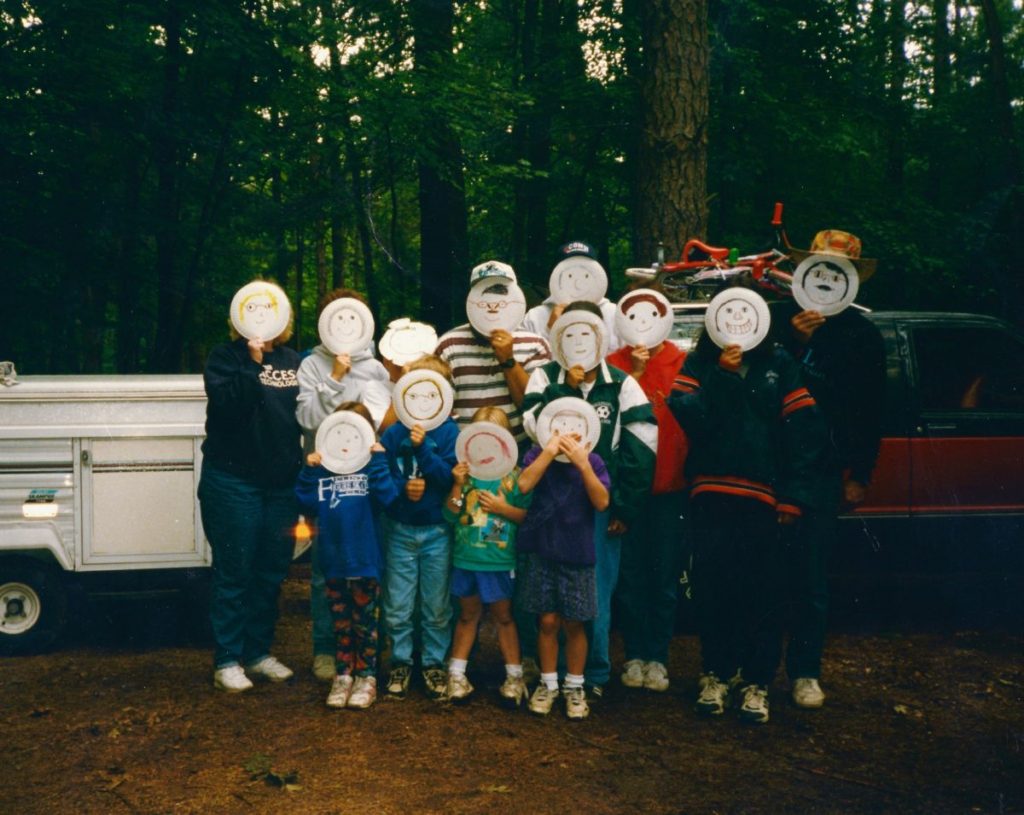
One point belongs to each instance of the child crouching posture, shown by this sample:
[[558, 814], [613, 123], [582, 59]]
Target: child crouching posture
[[558, 581], [350, 554], [485, 515]]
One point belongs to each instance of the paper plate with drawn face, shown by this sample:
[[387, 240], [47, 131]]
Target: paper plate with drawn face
[[260, 311], [569, 416], [643, 317], [489, 450], [422, 397], [579, 338], [578, 278], [406, 341], [346, 326], [825, 283], [343, 441], [737, 316], [494, 305]]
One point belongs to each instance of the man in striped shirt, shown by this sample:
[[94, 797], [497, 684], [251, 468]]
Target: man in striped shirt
[[492, 370]]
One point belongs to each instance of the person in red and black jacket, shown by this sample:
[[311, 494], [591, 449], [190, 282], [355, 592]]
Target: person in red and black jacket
[[756, 440]]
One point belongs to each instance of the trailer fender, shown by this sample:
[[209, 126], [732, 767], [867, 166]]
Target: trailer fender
[[35, 539]]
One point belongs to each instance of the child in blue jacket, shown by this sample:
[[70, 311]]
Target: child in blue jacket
[[350, 557]]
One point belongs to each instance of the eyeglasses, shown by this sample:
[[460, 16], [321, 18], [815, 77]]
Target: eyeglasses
[[488, 304]]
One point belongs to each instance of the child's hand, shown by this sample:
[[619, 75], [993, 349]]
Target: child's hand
[[617, 528], [256, 351], [554, 445], [414, 489], [377, 447], [575, 452], [417, 435], [342, 365], [639, 359], [460, 473], [492, 503], [731, 358], [805, 324], [313, 459], [574, 376]]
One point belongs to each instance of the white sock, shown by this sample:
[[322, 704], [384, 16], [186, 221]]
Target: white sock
[[574, 680], [550, 680], [515, 671], [457, 666]]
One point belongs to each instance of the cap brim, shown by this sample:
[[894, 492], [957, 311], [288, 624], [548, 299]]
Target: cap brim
[[865, 266]]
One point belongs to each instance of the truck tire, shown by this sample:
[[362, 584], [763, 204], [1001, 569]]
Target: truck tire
[[33, 606]]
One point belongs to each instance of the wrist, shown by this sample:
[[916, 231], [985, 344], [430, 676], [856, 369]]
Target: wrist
[[507, 364]]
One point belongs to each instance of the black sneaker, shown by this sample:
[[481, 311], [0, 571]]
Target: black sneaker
[[595, 692], [435, 681], [398, 681]]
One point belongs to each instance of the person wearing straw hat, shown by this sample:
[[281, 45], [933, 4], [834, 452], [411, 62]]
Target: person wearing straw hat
[[842, 360]]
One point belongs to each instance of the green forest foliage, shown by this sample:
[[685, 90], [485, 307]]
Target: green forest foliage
[[156, 156]]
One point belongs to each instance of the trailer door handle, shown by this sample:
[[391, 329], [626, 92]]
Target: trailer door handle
[[86, 458]]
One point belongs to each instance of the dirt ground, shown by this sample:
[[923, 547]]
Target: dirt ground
[[122, 717]]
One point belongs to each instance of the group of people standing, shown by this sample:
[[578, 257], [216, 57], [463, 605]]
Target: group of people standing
[[729, 464]]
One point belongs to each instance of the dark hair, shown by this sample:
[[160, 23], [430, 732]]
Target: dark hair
[[584, 305], [359, 408], [337, 294], [632, 299]]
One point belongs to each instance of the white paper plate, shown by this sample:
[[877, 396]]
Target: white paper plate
[[578, 278], [406, 341], [737, 316], [346, 326], [260, 311], [643, 317], [488, 448], [569, 414], [495, 312], [579, 338], [825, 283], [343, 441], [422, 397]]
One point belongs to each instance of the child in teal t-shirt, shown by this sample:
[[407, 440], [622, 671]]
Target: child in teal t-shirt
[[485, 515]]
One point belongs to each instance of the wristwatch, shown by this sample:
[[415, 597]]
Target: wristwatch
[[508, 363], [456, 502]]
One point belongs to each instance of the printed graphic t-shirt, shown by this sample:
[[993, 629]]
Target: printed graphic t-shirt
[[486, 542]]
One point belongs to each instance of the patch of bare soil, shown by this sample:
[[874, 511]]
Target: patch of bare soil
[[127, 721]]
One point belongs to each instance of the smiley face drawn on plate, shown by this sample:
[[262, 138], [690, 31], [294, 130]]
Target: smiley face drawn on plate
[[825, 283], [422, 397], [489, 450], [578, 278], [343, 441], [579, 338], [495, 305], [260, 311], [644, 317], [569, 416], [737, 316], [346, 326]]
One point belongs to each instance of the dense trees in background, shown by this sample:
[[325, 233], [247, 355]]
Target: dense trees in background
[[155, 156]]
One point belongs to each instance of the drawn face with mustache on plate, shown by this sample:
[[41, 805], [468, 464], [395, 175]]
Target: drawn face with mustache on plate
[[826, 283]]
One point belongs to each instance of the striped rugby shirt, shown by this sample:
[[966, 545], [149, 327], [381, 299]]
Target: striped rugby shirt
[[479, 380]]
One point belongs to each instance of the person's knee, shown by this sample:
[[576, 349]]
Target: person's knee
[[548, 625]]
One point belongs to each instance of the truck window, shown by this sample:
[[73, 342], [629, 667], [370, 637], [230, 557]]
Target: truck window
[[969, 368]]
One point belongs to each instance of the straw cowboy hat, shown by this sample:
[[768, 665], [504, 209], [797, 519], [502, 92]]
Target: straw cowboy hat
[[842, 244]]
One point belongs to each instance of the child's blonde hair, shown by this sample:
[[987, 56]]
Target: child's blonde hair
[[435, 364], [493, 414]]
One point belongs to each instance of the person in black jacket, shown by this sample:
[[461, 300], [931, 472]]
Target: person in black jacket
[[251, 457], [755, 442], [842, 361]]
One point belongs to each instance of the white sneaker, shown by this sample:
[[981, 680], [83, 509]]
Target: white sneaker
[[576, 706], [633, 675], [325, 667], [713, 696], [754, 704], [543, 699], [807, 692], [340, 691], [270, 668], [513, 691], [656, 677], [459, 687], [364, 692], [231, 679]]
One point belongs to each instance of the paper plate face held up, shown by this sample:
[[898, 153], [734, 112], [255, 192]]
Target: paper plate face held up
[[489, 449], [737, 316], [825, 283], [578, 278], [406, 341], [569, 416], [346, 326], [579, 338], [643, 317], [495, 305], [343, 441], [422, 398], [260, 311]]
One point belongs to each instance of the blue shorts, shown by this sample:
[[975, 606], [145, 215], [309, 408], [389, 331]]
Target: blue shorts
[[491, 586]]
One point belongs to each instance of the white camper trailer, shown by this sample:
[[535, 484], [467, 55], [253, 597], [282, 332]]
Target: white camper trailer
[[98, 478]]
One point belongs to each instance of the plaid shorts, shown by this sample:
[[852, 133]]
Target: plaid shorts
[[547, 586]]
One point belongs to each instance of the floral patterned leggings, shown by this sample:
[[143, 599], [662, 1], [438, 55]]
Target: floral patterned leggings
[[355, 611]]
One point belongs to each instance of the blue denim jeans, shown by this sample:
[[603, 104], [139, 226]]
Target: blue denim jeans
[[250, 533], [419, 564], [609, 552], [319, 609]]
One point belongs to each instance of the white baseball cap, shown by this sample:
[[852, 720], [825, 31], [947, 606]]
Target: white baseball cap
[[492, 268]]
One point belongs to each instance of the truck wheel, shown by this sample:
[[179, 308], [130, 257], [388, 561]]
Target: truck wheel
[[33, 606]]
